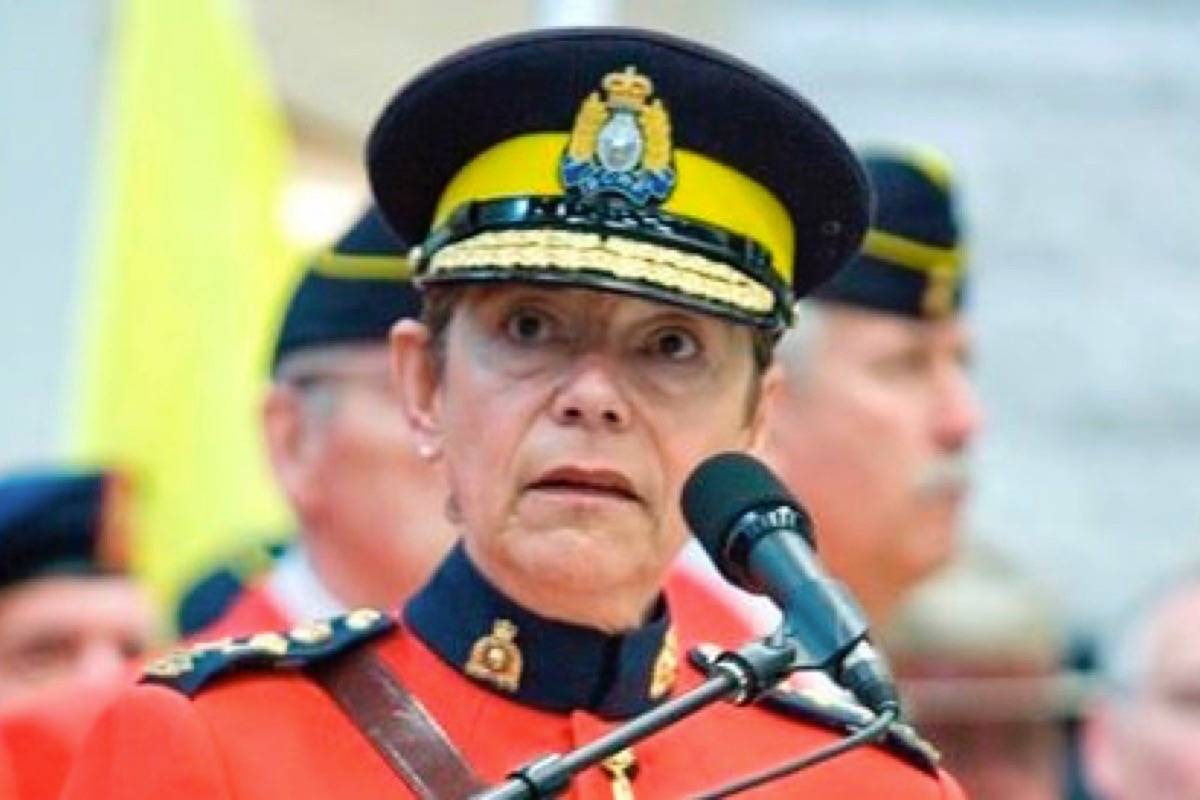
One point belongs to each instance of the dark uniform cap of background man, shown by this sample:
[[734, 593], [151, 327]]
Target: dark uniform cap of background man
[[912, 261], [60, 522], [351, 293], [619, 159]]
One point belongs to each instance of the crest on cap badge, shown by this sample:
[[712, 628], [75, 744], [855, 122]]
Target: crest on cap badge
[[621, 142]]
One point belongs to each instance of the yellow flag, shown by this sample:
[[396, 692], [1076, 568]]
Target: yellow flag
[[185, 278]]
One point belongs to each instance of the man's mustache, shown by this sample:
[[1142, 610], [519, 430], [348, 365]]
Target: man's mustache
[[948, 473]]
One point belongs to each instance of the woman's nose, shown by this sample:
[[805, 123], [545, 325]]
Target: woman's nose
[[591, 396]]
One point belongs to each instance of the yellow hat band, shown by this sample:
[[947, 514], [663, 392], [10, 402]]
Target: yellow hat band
[[904, 252], [332, 264], [705, 191]]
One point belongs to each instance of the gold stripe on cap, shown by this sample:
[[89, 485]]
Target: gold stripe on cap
[[905, 252], [341, 265], [621, 258], [705, 190]]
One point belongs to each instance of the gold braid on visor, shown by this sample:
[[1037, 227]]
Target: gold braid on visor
[[504, 218]]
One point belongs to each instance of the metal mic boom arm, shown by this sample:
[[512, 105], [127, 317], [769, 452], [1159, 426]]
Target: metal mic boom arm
[[740, 677]]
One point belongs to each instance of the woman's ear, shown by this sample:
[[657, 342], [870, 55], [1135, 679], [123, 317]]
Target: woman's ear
[[417, 380]]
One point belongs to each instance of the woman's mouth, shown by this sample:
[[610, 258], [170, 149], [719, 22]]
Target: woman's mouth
[[582, 482]]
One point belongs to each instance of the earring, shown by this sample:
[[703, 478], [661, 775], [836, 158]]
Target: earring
[[427, 451]]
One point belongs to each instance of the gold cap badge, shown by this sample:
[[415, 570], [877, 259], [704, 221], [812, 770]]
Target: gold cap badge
[[621, 142]]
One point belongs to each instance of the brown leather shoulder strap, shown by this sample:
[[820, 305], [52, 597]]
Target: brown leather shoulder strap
[[403, 732]]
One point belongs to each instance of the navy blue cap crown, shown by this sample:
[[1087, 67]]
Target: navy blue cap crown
[[58, 522], [351, 293], [912, 261], [623, 160]]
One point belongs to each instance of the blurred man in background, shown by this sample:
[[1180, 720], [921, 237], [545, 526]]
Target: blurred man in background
[[369, 505], [68, 610], [874, 418], [71, 619], [1142, 738], [978, 652]]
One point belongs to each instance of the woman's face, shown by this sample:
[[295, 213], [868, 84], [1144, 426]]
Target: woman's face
[[569, 421]]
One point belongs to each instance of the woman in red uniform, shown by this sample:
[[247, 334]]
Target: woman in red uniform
[[614, 226]]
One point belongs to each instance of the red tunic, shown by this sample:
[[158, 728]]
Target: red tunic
[[258, 734], [42, 738], [43, 734], [8, 784], [269, 735]]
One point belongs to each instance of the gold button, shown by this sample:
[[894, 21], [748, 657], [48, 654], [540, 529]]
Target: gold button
[[313, 632], [271, 643], [362, 618]]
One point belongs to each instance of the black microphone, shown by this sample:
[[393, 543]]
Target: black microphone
[[760, 538]]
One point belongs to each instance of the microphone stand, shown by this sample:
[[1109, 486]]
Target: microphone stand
[[740, 676]]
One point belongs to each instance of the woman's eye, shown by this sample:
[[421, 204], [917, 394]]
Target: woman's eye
[[525, 326], [674, 344]]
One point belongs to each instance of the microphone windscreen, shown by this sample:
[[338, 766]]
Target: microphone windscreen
[[722, 489]]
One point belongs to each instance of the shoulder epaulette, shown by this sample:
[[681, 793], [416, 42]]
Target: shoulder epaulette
[[188, 669], [830, 710]]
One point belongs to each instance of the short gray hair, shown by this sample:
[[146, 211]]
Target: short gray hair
[[318, 398], [794, 352]]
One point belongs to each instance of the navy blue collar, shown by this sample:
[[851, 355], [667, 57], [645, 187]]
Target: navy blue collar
[[539, 662]]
